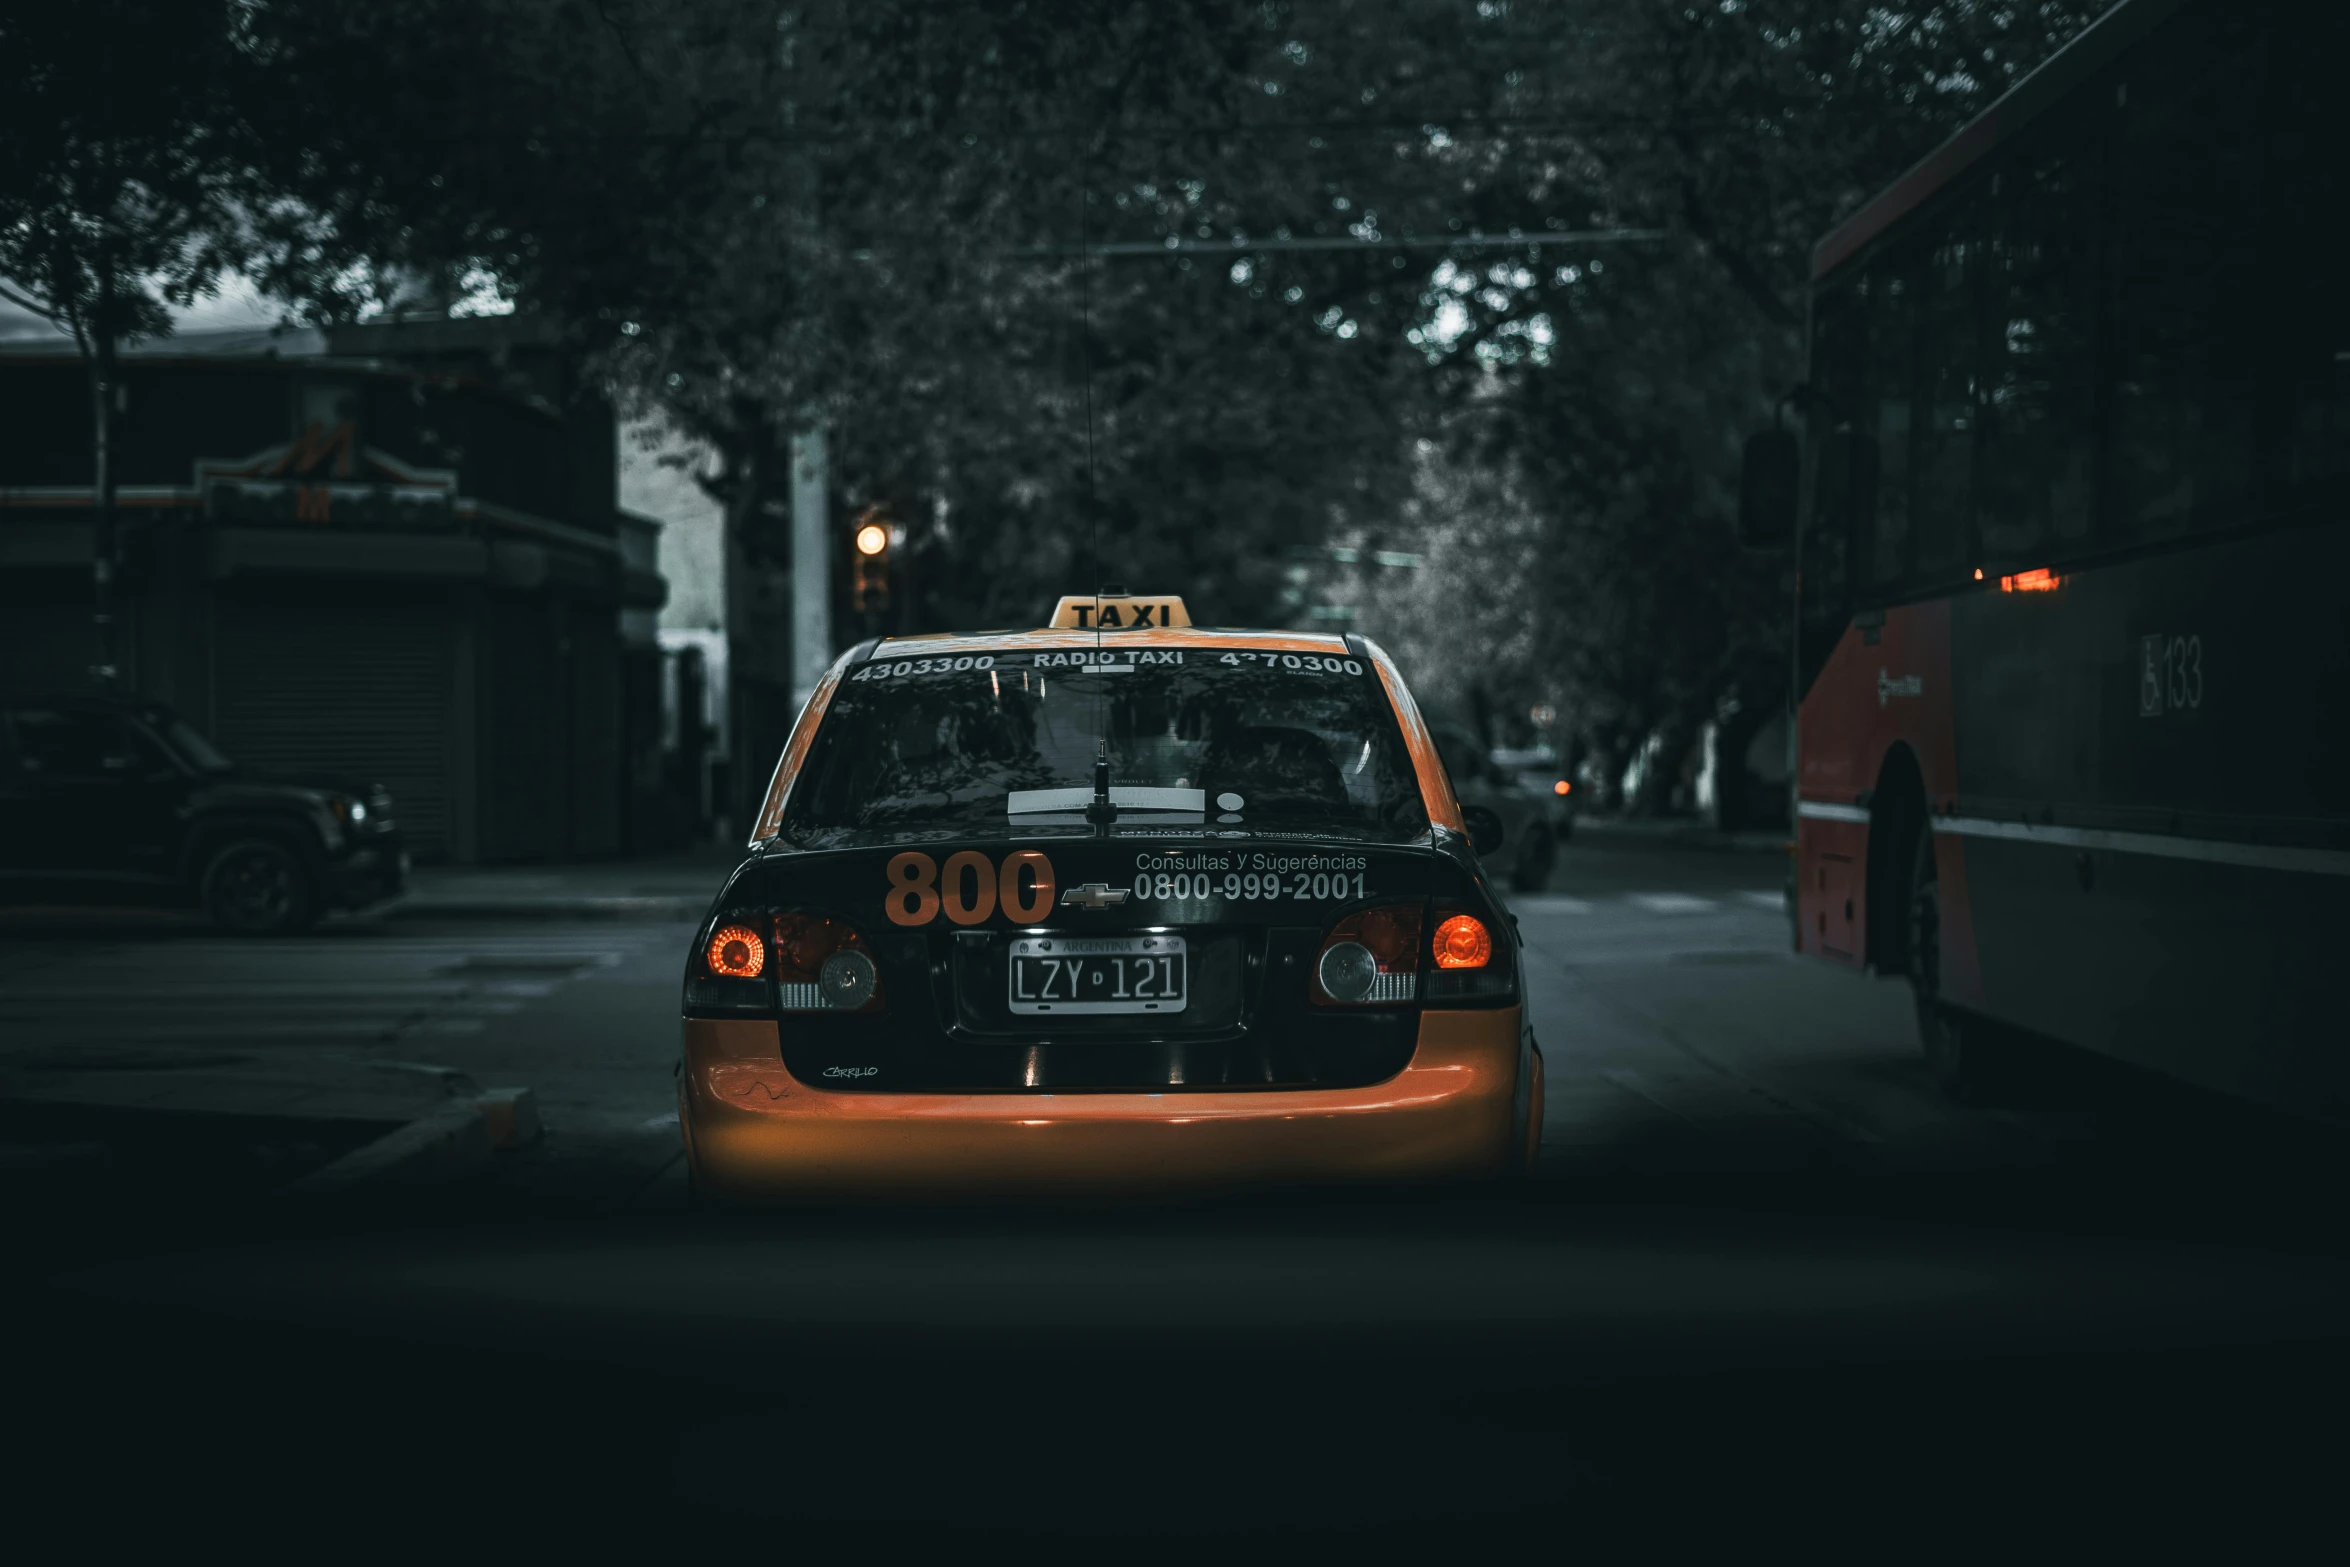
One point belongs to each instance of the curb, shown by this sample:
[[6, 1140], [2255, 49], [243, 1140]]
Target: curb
[[432, 1149], [511, 1115], [615, 908]]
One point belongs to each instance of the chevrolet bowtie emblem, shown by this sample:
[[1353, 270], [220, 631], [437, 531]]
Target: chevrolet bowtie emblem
[[1094, 895]]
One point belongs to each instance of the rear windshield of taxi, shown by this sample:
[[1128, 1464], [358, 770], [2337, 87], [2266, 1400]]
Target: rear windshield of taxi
[[1238, 742]]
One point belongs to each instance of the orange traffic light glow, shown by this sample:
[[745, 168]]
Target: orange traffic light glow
[[1562, 787], [2038, 580], [872, 539], [1462, 942]]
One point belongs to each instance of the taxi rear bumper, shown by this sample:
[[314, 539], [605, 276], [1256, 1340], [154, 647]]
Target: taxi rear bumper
[[754, 1131]]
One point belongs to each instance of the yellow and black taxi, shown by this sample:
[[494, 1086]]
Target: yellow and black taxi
[[1119, 903]]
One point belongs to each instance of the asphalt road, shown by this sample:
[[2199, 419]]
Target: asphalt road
[[1765, 1283]]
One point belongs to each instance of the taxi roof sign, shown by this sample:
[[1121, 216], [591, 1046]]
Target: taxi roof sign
[[1119, 612]]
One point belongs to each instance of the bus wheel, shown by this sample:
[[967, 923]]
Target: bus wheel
[[1962, 1057]]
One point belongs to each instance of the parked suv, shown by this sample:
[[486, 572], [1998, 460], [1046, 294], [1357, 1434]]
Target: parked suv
[[118, 801]]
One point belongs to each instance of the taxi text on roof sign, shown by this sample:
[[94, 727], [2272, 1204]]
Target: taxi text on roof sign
[[1118, 612]]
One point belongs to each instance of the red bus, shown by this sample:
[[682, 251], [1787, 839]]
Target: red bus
[[2072, 652]]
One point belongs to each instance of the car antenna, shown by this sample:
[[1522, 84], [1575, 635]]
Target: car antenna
[[1101, 813]]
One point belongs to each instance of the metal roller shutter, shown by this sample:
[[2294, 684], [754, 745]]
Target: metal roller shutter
[[361, 691], [47, 645]]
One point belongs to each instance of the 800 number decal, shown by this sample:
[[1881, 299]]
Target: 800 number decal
[[1235, 886], [968, 888]]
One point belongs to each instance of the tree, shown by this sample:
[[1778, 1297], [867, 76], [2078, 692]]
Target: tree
[[126, 182], [759, 213], [893, 216], [1607, 388]]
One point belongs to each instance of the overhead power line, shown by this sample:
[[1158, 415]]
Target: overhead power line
[[1172, 245]]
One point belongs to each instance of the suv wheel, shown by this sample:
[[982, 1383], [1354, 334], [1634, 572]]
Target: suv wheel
[[259, 888], [1531, 872]]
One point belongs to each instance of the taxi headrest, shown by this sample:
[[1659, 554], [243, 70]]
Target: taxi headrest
[[1119, 612]]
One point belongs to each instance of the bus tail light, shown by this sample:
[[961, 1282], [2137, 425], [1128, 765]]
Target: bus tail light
[[1370, 958]]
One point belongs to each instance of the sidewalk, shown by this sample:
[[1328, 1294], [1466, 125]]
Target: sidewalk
[[178, 1128], [677, 885], [110, 1111]]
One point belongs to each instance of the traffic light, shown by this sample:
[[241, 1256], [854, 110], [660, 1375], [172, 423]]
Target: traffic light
[[869, 566]]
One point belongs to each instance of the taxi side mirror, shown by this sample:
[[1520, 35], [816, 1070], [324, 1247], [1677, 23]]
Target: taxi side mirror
[[1485, 828], [1767, 484]]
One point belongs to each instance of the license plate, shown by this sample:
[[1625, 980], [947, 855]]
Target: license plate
[[1070, 975]]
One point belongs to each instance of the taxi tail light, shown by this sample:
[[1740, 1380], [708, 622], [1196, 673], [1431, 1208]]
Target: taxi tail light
[[758, 964], [1470, 958], [1370, 958], [1462, 941], [821, 964], [735, 950], [727, 975]]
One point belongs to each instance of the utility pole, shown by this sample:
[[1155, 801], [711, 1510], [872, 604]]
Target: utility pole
[[105, 669], [811, 465], [811, 561]]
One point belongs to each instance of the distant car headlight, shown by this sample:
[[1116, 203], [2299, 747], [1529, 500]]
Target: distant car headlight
[[358, 812]]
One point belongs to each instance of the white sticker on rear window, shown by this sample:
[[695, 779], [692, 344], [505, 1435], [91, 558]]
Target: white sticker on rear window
[[1109, 658], [886, 669]]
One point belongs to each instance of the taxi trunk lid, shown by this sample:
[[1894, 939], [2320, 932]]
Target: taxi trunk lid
[[960, 934]]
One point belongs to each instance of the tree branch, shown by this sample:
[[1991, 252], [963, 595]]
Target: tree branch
[[1681, 71], [1742, 271], [627, 44], [45, 312]]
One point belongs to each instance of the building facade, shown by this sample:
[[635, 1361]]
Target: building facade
[[391, 552]]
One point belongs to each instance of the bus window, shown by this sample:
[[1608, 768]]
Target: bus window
[[2038, 444], [2312, 366], [1839, 361], [2189, 294], [1892, 296], [1942, 516]]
